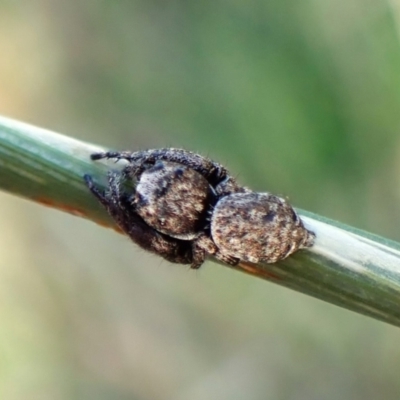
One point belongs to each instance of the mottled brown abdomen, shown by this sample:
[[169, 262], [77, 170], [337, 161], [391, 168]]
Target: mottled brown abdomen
[[258, 227]]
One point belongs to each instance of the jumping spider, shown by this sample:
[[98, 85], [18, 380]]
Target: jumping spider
[[186, 206]]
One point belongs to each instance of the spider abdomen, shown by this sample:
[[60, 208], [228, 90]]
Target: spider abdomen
[[257, 227]]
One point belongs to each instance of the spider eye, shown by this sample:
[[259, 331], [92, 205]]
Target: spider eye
[[141, 201], [178, 173], [158, 166]]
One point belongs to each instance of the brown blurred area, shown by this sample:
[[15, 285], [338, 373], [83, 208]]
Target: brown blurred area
[[297, 98]]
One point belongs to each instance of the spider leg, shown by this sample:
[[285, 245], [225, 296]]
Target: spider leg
[[212, 171], [98, 193], [204, 245], [139, 161], [109, 155], [133, 170], [111, 200]]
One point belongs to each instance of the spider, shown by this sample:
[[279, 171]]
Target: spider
[[185, 207]]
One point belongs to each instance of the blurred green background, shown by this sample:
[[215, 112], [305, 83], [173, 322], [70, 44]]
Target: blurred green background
[[298, 98]]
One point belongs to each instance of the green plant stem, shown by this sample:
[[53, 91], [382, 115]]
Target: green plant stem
[[47, 167], [346, 267]]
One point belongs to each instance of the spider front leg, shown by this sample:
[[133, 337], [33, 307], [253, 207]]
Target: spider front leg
[[109, 155], [115, 204], [133, 170], [217, 175], [214, 173]]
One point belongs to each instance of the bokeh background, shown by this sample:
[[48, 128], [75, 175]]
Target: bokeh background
[[301, 98]]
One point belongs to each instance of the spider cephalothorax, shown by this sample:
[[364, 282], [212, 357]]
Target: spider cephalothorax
[[186, 206], [174, 199]]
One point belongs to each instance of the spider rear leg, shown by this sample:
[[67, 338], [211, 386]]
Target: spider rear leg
[[204, 245]]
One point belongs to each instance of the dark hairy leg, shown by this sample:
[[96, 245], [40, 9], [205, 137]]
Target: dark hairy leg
[[212, 171]]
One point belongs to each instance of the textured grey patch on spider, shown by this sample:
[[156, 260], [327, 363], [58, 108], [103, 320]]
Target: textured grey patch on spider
[[186, 207], [174, 199]]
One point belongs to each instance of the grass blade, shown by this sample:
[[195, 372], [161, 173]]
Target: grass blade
[[346, 266]]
